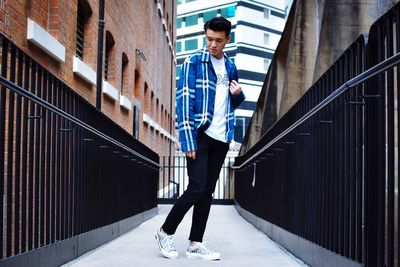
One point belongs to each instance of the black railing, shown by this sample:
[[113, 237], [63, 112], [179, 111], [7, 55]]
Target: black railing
[[174, 180], [65, 168], [327, 170]]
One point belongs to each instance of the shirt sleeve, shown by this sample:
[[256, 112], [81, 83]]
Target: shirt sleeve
[[185, 101]]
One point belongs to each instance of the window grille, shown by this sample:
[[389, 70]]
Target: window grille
[[80, 32]]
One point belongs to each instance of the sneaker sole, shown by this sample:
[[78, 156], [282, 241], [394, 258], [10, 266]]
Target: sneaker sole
[[197, 256], [163, 252]]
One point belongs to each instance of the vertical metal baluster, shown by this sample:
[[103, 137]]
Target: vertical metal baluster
[[31, 159], [390, 145], [37, 174], [50, 158], [10, 153], [17, 186], [24, 171], [4, 55], [43, 162]]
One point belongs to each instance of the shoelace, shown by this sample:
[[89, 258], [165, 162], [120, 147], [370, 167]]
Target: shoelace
[[170, 242], [203, 249]]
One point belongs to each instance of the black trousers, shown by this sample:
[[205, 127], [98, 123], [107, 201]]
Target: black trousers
[[203, 174]]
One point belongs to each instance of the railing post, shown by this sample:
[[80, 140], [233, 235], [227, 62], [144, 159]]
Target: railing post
[[374, 162]]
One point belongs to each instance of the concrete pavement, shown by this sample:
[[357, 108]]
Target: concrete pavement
[[239, 243]]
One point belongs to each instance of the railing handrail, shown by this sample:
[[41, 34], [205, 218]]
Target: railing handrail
[[19, 90], [375, 70]]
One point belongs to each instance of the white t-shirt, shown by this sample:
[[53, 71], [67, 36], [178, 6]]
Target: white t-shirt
[[217, 128]]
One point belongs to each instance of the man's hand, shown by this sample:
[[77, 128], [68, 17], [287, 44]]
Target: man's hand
[[235, 88], [191, 154]]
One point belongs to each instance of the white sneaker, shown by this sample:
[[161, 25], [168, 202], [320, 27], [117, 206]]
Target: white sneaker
[[166, 244], [202, 252]]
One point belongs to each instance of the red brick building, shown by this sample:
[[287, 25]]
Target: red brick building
[[138, 68]]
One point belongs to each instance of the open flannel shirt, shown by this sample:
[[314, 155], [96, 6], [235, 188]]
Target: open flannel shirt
[[195, 98]]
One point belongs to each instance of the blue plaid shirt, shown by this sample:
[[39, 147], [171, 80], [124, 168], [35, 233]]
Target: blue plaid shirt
[[195, 98]]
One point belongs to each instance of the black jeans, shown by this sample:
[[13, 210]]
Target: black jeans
[[203, 174]]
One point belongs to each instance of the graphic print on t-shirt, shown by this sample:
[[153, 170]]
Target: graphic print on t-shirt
[[224, 81]]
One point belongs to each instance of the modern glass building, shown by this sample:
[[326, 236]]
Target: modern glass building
[[257, 26]]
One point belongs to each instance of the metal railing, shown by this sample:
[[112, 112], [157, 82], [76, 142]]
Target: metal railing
[[327, 171], [60, 174], [174, 180]]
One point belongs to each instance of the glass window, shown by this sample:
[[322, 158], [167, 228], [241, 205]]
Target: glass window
[[191, 44], [178, 70], [209, 15], [266, 38], [266, 63], [191, 20], [232, 38], [188, 1], [179, 2], [179, 23], [228, 12], [80, 32], [266, 13], [179, 47]]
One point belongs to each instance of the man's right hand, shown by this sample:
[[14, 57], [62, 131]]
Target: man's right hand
[[191, 154]]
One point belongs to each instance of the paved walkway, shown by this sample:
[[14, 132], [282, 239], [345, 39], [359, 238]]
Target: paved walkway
[[239, 243]]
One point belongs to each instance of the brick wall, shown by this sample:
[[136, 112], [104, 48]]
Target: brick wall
[[133, 25]]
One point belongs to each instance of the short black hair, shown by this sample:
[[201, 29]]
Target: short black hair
[[218, 24]]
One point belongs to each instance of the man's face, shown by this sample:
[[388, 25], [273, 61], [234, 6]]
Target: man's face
[[216, 42]]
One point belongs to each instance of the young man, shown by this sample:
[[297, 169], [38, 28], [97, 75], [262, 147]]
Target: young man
[[207, 94]]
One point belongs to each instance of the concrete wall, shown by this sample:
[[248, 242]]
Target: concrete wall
[[316, 34]]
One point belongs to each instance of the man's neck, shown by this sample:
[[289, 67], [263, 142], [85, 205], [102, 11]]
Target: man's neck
[[218, 57]]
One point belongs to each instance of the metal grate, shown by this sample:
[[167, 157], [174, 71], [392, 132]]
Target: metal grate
[[80, 32], [106, 64]]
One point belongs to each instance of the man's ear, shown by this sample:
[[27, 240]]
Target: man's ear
[[229, 39]]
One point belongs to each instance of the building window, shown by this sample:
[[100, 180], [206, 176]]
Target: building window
[[228, 12], [137, 85], [188, 1], [152, 106], [83, 14], [178, 70], [106, 65], [108, 58], [191, 20], [165, 119], [209, 15], [124, 73], [179, 47], [135, 129], [179, 23], [80, 32], [179, 2], [266, 38], [157, 115], [191, 44], [146, 98], [266, 63], [267, 12], [162, 116]]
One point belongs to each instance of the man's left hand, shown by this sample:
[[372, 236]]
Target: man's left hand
[[235, 88]]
